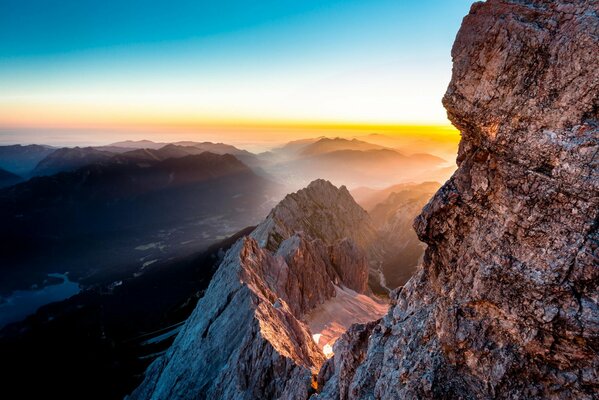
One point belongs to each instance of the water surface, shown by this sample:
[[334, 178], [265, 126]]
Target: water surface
[[22, 303]]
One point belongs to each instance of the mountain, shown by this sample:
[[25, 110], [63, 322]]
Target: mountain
[[506, 303], [296, 146], [109, 332], [328, 145], [267, 287], [393, 219], [356, 168], [368, 198], [350, 162], [138, 144], [117, 212], [69, 159], [181, 148], [442, 143], [163, 153], [8, 178], [318, 211], [21, 160], [217, 148]]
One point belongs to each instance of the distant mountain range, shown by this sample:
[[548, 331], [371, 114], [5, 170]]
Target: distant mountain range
[[81, 202], [352, 163], [69, 159], [393, 218], [21, 160], [40, 160], [326, 145], [8, 178], [97, 216]]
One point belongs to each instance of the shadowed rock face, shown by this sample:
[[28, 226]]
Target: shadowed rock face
[[247, 338], [506, 305]]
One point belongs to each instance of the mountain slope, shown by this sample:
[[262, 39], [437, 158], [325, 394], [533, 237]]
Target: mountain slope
[[138, 144], [291, 264], [8, 178], [109, 332], [20, 159], [506, 304], [354, 168], [321, 211], [368, 198], [393, 219], [168, 151], [69, 159], [117, 212], [328, 145]]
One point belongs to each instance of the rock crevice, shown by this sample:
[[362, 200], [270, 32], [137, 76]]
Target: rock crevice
[[506, 303]]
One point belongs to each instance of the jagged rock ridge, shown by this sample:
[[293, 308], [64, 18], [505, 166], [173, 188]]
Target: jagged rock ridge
[[246, 339], [506, 304]]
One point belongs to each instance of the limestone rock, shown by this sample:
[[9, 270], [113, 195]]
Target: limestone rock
[[506, 304], [247, 338], [321, 211]]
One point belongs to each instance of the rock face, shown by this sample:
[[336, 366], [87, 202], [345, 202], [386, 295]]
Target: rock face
[[506, 304], [246, 339], [321, 211]]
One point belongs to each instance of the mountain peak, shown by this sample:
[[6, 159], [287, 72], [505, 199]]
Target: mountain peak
[[252, 321], [328, 145], [322, 211]]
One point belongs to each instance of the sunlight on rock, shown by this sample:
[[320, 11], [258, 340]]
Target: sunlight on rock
[[316, 337], [328, 350]]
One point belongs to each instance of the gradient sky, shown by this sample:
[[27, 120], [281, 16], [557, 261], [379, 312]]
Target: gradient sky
[[82, 67]]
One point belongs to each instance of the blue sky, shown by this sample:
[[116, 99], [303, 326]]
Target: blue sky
[[71, 63]]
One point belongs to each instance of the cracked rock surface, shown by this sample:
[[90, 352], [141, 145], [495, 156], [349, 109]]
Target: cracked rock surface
[[247, 338], [506, 304]]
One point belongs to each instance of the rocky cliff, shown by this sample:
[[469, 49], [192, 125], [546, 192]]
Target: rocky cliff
[[506, 304], [247, 337]]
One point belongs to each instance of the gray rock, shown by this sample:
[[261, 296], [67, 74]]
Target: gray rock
[[506, 304], [246, 339]]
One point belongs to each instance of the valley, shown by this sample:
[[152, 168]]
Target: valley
[[135, 275]]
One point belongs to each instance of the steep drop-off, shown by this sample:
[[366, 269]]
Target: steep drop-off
[[506, 304], [247, 337]]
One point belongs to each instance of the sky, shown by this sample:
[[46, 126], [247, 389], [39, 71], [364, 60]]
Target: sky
[[82, 71]]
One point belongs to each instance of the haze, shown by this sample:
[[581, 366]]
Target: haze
[[75, 73]]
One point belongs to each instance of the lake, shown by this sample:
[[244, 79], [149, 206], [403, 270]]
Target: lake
[[26, 302]]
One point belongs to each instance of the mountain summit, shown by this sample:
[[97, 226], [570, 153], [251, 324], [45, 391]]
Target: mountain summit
[[248, 337]]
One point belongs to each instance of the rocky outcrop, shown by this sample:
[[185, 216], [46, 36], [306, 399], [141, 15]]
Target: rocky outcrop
[[321, 211], [247, 338], [506, 304]]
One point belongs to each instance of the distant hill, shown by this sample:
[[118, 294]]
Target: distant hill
[[295, 146], [368, 198], [356, 168], [442, 143], [163, 153], [138, 144], [393, 217], [352, 162], [104, 212], [69, 159], [327, 145], [8, 178], [245, 156], [21, 160]]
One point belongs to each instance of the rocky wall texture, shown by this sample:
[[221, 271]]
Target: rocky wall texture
[[246, 338], [506, 303]]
